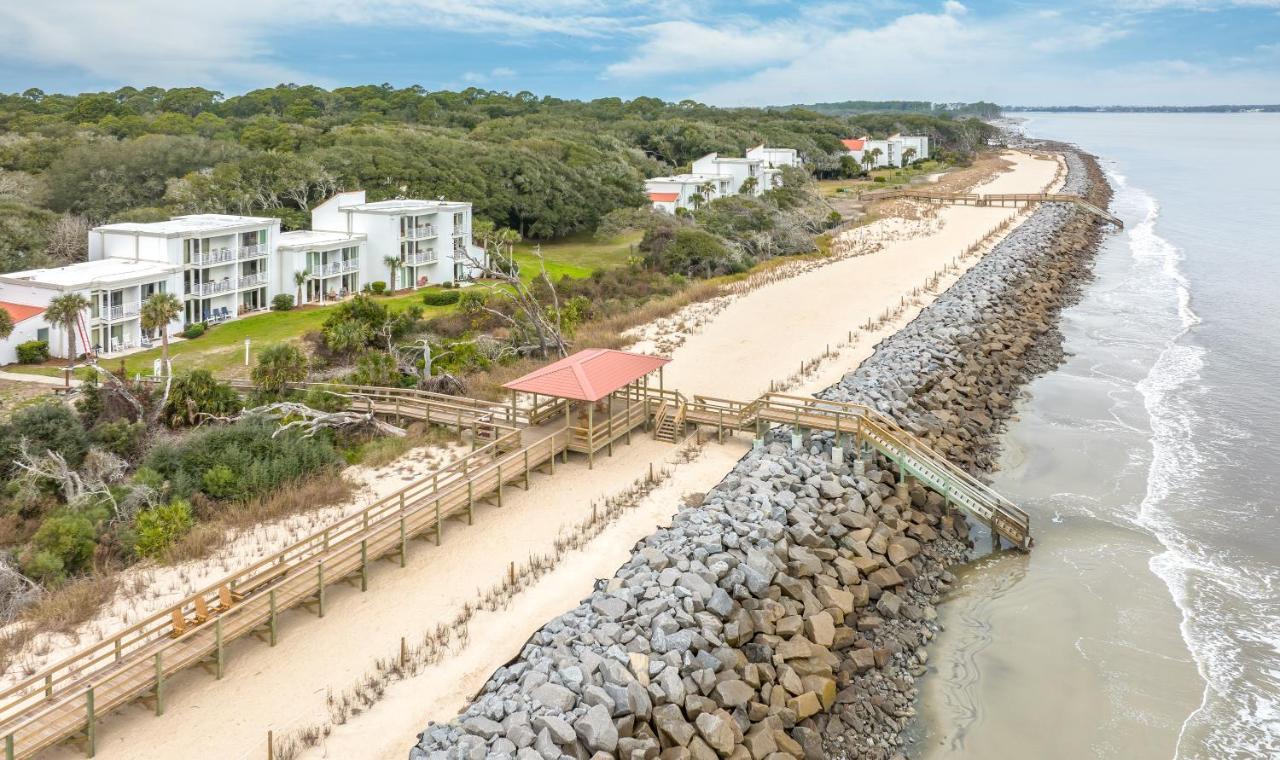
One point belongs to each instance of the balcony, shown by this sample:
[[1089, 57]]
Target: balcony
[[421, 257], [419, 233], [209, 288], [211, 258], [122, 311], [334, 268], [252, 281], [251, 252]]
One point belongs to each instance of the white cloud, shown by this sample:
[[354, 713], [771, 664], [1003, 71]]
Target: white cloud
[[672, 47]]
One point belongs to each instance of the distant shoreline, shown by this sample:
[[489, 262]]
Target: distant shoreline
[[1142, 109]]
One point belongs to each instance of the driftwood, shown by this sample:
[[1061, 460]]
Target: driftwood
[[100, 470], [296, 416]]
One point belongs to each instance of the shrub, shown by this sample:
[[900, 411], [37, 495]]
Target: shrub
[[159, 527], [196, 393], [123, 438], [47, 426], [279, 365], [376, 368], [694, 251], [282, 302], [261, 459], [220, 482], [33, 352], [471, 301], [879, 179], [378, 287], [194, 330], [62, 546], [325, 398], [441, 297], [346, 336]]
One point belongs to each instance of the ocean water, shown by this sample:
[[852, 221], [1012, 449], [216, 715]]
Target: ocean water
[[1146, 623]]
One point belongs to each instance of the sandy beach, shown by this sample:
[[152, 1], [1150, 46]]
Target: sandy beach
[[763, 334]]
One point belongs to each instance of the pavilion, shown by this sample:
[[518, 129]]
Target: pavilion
[[608, 390]]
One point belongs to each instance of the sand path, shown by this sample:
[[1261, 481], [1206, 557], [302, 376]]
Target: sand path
[[756, 338]]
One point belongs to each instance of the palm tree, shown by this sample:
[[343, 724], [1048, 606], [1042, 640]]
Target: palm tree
[[157, 312], [907, 155], [875, 155], [65, 310], [6, 324], [299, 279], [393, 263], [867, 161]]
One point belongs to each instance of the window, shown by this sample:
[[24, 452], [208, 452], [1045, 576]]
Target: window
[[43, 334]]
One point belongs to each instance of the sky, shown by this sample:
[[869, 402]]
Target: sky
[[722, 52]]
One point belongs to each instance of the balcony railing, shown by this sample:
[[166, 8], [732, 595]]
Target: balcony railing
[[251, 251], [418, 233], [209, 288], [122, 311], [252, 280], [335, 268], [210, 258], [421, 257]]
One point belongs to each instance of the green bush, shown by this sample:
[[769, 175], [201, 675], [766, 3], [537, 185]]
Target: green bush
[[471, 301], [879, 179], [278, 365], [250, 449], [194, 330], [220, 482], [123, 438], [46, 426], [282, 302], [441, 297], [325, 398], [378, 287], [33, 352], [157, 528], [195, 393], [63, 545], [376, 368]]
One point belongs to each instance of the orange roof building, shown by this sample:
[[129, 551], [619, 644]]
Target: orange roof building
[[21, 312]]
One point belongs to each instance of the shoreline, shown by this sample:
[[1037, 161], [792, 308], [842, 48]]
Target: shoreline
[[871, 709]]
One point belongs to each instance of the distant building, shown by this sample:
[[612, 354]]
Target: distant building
[[892, 150], [330, 262], [430, 239], [715, 176]]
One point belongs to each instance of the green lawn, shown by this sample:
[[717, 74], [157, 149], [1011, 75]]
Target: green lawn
[[576, 256], [892, 178]]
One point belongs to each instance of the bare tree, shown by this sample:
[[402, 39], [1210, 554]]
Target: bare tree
[[530, 315], [68, 240], [100, 470], [311, 421]]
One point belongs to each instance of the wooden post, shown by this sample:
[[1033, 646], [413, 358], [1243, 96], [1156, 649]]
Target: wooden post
[[439, 523], [471, 503], [271, 622], [513, 406], [591, 429], [404, 542], [609, 432], [404, 652], [364, 564], [271, 749], [90, 726], [499, 485], [320, 586], [118, 652], [8, 748], [526, 469], [48, 686], [159, 684], [219, 650]]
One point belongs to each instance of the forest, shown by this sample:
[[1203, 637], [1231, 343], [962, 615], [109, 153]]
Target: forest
[[542, 166]]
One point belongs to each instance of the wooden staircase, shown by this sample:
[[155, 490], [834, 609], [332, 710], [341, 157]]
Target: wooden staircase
[[665, 424]]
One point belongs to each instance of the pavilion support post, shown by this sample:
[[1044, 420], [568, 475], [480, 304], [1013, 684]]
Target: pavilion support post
[[513, 406], [271, 621], [568, 431], [659, 379], [90, 725], [591, 429], [609, 432], [628, 420], [645, 386], [159, 684]]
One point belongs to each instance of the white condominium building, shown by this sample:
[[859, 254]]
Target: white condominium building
[[329, 264], [715, 176], [115, 290], [895, 150], [226, 261], [429, 240]]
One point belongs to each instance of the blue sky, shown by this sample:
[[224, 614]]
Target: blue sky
[[748, 52]]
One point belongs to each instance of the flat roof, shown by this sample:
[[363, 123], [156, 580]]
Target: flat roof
[[107, 271], [685, 179], [588, 375], [309, 239], [407, 206], [188, 225]]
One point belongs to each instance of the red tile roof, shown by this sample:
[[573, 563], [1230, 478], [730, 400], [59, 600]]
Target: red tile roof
[[663, 197], [588, 375], [20, 311], [854, 144]]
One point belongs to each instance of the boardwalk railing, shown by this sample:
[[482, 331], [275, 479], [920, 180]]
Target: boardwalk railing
[[991, 199]]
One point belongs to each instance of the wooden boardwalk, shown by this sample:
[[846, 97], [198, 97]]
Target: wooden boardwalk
[[67, 699], [992, 199]]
